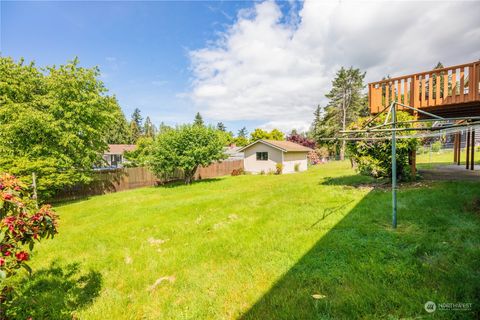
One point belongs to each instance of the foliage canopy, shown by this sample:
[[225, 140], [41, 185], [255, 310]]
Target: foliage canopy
[[186, 147], [53, 122]]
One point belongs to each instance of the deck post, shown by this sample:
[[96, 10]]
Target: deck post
[[467, 160], [394, 167], [459, 148], [413, 163], [455, 146], [472, 152]]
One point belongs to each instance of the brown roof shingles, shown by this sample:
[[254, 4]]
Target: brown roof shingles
[[120, 148], [286, 146]]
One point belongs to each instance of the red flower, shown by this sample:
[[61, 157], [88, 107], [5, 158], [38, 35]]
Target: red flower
[[7, 196], [17, 188], [22, 256], [7, 253], [2, 261]]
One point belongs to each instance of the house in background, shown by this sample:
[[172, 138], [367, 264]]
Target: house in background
[[233, 152], [264, 155], [114, 156]]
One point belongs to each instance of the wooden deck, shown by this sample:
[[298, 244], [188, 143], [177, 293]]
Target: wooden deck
[[448, 92]]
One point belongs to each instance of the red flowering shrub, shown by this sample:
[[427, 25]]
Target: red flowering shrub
[[313, 158], [21, 224], [237, 172]]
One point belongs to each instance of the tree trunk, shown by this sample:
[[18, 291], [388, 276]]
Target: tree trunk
[[344, 121], [189, 176]]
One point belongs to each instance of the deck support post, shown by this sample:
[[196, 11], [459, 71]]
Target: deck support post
[[459, 148], [394, 166], [412, 160], [455, 146], [467, 160], [472, 151]]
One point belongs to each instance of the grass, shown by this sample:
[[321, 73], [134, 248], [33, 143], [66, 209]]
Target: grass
[[259, 247], [443, 157]]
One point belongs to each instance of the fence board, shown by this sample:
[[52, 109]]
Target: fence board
[[131, 178]]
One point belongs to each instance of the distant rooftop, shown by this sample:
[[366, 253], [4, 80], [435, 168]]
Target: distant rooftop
[[286, 146], [120, 148]]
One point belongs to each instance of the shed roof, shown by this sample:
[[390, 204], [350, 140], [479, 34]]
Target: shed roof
[[285, 146], [120, 148]]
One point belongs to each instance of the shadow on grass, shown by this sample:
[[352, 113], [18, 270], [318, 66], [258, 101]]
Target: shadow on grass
[[352, 181], [52, 293], [179, 183], [363, 269]]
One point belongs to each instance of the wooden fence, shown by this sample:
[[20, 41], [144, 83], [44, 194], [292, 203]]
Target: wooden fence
[[115, 180]]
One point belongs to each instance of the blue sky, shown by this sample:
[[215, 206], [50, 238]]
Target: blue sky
[[261, 64], [142, 48]]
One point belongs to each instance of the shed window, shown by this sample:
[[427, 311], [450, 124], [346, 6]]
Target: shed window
[[263, 156]]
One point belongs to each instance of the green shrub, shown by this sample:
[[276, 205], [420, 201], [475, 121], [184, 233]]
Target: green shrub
[[278, 168], [296, 167], [436, 146], [374, 158], [22, 225], [262, 172]]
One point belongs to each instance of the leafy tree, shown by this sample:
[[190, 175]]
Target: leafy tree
[[140, 156], [118, 131], [53, 123], [186, 147], [294, 136], [227, 137], [136, 127], [276, 134], [221, 126], [258, 134], [374, 158], [149, 129], [198, 121], [346, 103]]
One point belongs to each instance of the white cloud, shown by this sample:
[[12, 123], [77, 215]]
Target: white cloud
[[276, 68]]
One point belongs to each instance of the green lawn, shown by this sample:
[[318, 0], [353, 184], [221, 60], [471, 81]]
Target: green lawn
[[259, 247], [432, 159]]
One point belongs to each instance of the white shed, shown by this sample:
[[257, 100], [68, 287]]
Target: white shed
[[263, 156]]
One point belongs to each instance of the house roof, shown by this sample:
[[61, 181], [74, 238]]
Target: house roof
[[285, 146], [120, 148]]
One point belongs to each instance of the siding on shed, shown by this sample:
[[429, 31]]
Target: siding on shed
[[292, 158], [252, 165]]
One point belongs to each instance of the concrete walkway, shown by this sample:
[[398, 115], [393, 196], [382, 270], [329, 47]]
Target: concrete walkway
[[451, 172]]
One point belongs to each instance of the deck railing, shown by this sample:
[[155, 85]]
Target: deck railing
[[436, 88]]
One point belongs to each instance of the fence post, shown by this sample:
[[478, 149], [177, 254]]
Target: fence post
[[34, 186]]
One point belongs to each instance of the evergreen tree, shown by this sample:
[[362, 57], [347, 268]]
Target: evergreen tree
[[163, 127], [198, 121], [346, 103], [241, 139], [118, 131], [242, 133], [149, 129], [136, 127], [221, 127], [317, 122]]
